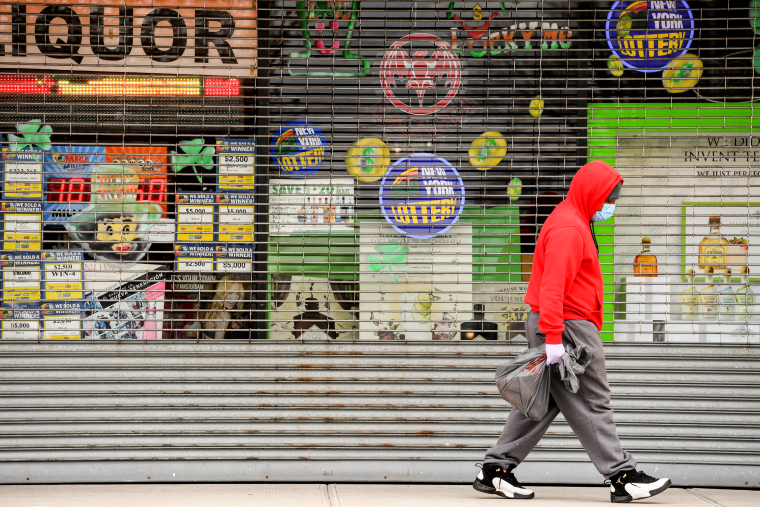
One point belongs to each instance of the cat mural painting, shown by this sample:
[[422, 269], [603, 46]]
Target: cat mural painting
[[566, 297]]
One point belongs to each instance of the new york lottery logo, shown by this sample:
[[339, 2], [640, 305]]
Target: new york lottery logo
[[422, 196], [299, 148], [647, 35]]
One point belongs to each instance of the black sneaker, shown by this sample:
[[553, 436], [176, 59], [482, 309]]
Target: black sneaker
[[497, 480], [630, 485]]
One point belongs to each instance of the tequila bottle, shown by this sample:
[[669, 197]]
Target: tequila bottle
[[690, 299], [302, 213], [745, 298], [645, 264], [712, 248], [313, 209], [708, 298], [726, 297]]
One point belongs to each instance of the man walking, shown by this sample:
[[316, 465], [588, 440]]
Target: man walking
[[566, 295]]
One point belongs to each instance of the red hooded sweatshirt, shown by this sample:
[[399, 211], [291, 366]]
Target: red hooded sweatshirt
[[566, 282]]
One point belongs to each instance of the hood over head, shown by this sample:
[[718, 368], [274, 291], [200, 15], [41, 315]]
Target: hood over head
[[590, 187]]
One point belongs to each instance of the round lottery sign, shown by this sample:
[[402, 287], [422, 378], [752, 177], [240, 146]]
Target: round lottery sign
[[298, 148], [647, 35], [422, 195]]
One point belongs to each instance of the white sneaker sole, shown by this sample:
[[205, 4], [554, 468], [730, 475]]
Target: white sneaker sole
[[641, 491], [506, 490]]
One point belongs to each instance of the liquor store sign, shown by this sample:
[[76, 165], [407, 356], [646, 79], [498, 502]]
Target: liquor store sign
[[210, 37]]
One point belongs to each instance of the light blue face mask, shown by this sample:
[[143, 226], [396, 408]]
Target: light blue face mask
[[607, 211]]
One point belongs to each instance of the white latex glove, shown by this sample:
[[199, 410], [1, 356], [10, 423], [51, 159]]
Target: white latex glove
[[554, 353]]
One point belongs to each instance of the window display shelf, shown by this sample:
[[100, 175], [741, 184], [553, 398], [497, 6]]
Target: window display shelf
[[687, 331]]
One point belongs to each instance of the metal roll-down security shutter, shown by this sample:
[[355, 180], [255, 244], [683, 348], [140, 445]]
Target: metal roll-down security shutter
[[350, 412]]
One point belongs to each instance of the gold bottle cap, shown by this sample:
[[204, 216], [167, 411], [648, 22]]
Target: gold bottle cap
[[690, 272], [744, 270], [646, 240], [714, 220], [709, 269]]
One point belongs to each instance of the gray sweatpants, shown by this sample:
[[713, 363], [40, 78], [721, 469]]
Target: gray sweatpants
[[587, 412]]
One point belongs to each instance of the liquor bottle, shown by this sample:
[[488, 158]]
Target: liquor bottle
[[313, 210], [690, 299], [712, 248], [326, 213], [745, 298], [479, 328], [708, 298], [302, 213], [150, 325], [645, 264], [726, 297]]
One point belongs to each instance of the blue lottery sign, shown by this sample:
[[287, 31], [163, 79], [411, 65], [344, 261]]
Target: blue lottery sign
[[299, 148], [647, 35], [422, 195]]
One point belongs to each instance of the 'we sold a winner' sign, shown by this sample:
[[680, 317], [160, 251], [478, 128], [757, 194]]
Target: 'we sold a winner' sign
[[157, 36]]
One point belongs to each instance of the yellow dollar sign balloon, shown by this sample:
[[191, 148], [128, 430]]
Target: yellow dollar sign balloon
[[368, 159], [487, 150]]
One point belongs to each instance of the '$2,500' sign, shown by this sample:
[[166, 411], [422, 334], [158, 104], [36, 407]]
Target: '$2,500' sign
[[167, 36]]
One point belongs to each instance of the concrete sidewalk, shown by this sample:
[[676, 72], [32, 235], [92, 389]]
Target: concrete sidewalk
[[338, 495]]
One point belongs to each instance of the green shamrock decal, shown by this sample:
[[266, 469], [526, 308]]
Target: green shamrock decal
[[392, 257], [195, 155], [32, 134]]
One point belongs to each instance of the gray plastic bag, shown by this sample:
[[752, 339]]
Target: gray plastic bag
[[524, 383], [574, 363]]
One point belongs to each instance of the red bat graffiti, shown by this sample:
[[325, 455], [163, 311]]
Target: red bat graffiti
[[420, 72]]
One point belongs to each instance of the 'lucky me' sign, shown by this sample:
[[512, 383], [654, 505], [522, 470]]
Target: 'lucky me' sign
[[157, 36]]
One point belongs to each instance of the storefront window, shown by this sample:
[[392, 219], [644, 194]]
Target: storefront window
[[297, 170]]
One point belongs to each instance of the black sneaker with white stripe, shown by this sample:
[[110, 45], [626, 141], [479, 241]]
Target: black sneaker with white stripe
[[630, 485], [497, 480]]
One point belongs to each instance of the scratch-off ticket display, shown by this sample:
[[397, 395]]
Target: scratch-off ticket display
[[20, 323], [195, 258], [21, 224], [195, 217], [21, 167], [62, 320], [237, 163], [236, 217], [62, 275], [21, 277], [234, 259]]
